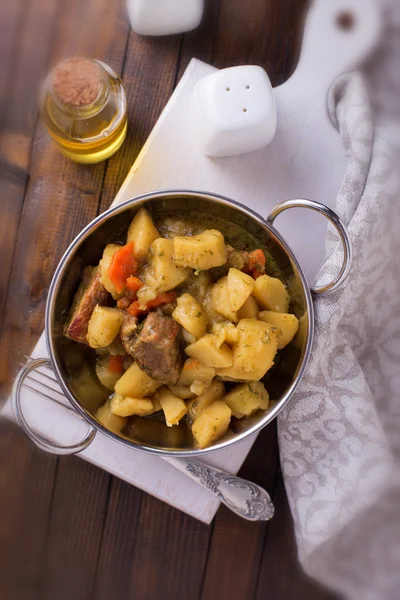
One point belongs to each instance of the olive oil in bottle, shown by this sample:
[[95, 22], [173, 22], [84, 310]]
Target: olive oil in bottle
[[84, 109]]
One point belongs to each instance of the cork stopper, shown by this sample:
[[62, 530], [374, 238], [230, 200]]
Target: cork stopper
[[77, 81]]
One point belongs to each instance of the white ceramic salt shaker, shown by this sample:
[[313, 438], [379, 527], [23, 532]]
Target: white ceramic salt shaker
[[235, 111], [164, 17]]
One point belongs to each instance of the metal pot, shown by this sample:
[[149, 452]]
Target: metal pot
[[72, 363]]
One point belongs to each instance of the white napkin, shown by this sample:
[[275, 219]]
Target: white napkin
[[340, 436]]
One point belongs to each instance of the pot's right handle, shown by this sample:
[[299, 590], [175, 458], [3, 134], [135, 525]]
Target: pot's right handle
[[340, 228], [36, 438]]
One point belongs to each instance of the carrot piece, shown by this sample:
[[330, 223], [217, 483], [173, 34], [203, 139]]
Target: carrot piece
[[134, 284], [256, 263], [161, 299], [135, 309], [116, 364], [123, 264]]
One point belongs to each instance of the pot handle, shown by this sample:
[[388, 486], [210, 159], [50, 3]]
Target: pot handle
[[36, 438], [340, 228]]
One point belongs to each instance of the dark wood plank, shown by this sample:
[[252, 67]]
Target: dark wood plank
[[149, 77], [281, 43], [67, 197], [24, 502], [241, 32], [200, 42], [266, 34], [18, 123], [169, 555], [75, 531], [26, 491], [94, 28], [114, 568], [240, 542], [11, 24]]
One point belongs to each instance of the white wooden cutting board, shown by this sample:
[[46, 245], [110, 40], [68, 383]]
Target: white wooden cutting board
[[306, 159]]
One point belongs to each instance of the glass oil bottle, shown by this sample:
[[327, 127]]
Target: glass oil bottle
[[84, 109]]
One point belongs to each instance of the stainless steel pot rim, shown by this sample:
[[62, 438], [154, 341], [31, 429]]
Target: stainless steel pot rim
[[88, 230]]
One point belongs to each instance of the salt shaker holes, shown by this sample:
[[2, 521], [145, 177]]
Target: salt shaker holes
[[228, 120]]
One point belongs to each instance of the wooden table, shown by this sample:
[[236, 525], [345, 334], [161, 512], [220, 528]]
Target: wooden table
[[67, 529]]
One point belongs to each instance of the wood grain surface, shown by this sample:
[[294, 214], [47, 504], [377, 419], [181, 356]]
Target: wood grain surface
[[67, 529]]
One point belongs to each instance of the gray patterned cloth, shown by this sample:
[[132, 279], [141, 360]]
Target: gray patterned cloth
[[340, 436]]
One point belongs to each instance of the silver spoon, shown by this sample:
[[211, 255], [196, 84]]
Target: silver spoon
[[243, 497]]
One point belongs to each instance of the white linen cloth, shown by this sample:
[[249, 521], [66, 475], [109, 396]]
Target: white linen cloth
[[340, 436]]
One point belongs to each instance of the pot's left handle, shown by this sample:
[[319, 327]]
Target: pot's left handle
[[39, 440], [340, 228]]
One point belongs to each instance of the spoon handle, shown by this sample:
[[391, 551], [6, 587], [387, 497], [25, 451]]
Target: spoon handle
[[243, 497]]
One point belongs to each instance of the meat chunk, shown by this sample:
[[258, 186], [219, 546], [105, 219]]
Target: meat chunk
[[155, 347], [128, 333], [237, 258], [90, 293]]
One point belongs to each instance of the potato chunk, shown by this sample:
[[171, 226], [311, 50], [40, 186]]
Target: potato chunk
[[271, 294], [162, 274], [124, 406], [174, 408], [104, 326], [226, 332], [181, 391], [246, 398], [146, 294], [220, 300], [194, 370], [287, 324], [249, 310], [210, 352], [105, 263], [199, 387], [211, 424], [191, 315], [136, 383], [254, 353], [109, 420], [240, 287], [195, 378], [213, 393], [156, 406], [106, 377], [202, 252], [142, 233]]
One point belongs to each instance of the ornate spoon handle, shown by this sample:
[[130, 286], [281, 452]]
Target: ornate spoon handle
[[243, 497]]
